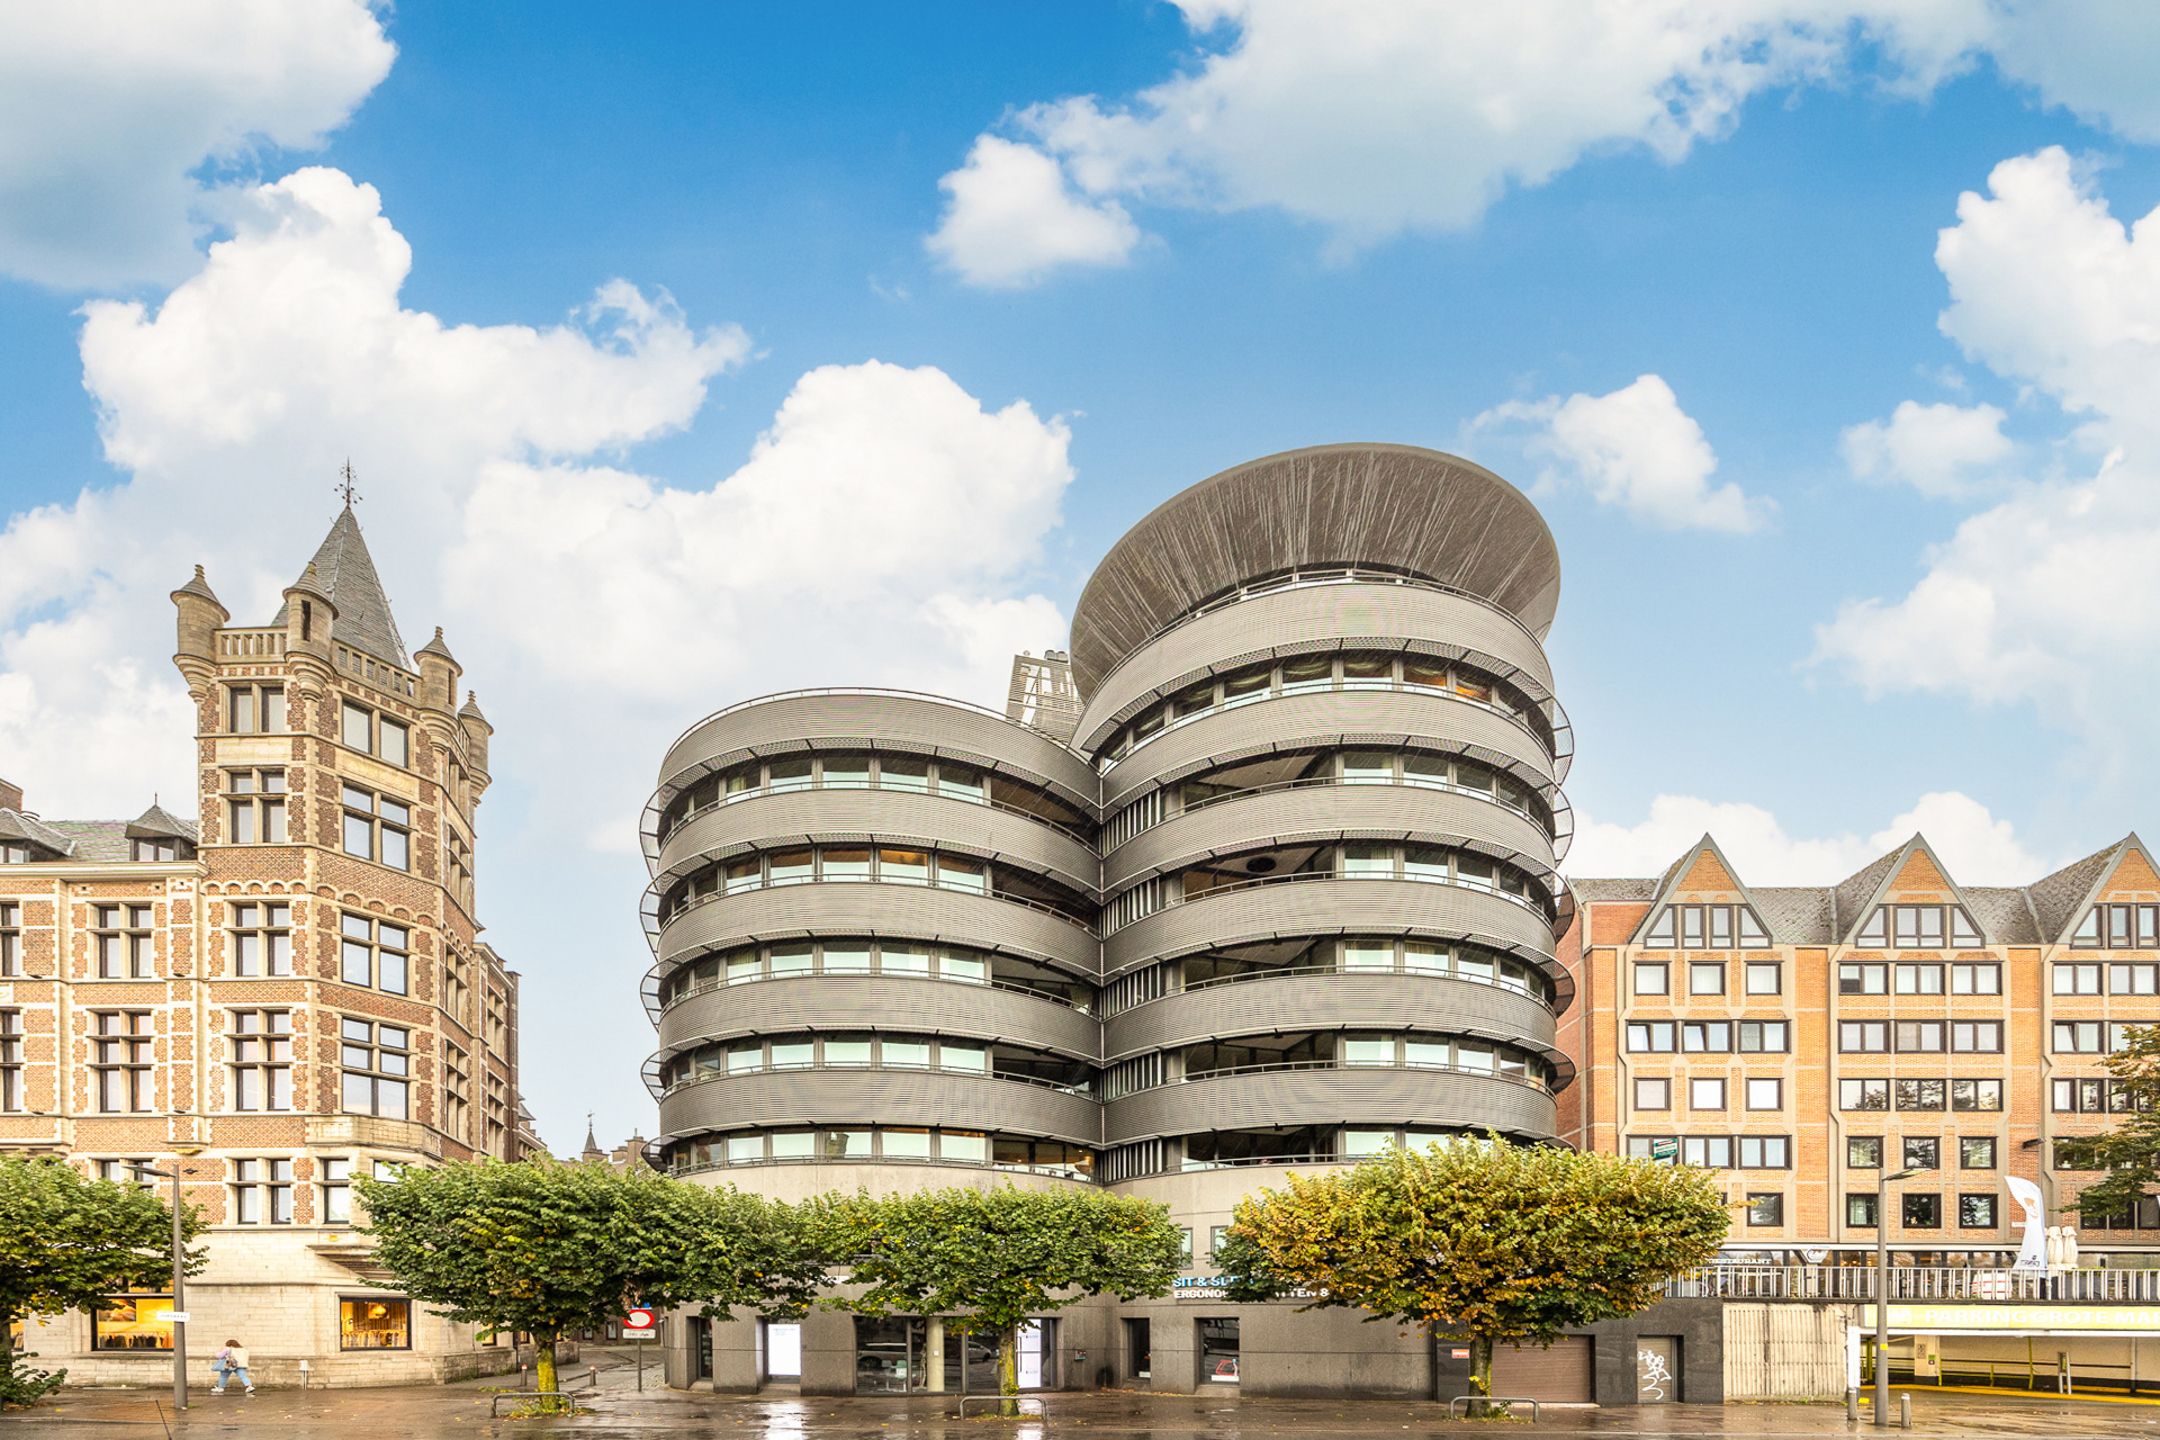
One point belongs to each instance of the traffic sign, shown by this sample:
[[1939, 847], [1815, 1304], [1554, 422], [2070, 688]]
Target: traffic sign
[[641, 1323]]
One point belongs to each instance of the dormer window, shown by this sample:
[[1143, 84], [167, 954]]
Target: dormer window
[[2119, 927], [1706, 927], [165, 850], [1919, 927], [14, 853]]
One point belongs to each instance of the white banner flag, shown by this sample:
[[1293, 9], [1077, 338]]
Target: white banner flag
[[2032, 1254]]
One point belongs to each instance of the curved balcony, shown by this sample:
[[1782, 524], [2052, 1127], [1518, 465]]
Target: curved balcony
[[860, 908], [901, 1003], [1372, 719], [1331, 905], [1326, 810], [864, 1097], [1335, 1000], [811, 720], [1329, 1095], [1352, 615], [767, 820]]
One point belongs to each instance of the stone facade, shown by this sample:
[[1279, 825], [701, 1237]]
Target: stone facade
[[290, 994]]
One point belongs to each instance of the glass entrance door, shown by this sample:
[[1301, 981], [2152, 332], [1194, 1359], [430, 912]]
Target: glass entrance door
[[1218, 1351]]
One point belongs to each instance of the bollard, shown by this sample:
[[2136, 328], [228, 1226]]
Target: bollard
[[592, 1376], [1904, 1411], [1852, 1405]]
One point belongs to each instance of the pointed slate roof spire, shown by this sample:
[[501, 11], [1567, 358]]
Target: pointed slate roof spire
[[436, 647], [345, 572], [200, 586]]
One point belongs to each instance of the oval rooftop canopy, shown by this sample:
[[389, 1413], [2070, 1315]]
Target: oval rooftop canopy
[[1391, 507]]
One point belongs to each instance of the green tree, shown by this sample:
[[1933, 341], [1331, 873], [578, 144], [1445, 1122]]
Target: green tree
[[545, 1247], [2130, 1152], [1478, 1239], [994, 1258], [68, 1242]]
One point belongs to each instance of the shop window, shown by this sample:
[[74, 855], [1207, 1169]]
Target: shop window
[[133, 1322], [369, 1323]]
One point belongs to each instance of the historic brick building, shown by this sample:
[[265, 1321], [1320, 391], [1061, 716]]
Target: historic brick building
[[1801, 1041], [288, 996]]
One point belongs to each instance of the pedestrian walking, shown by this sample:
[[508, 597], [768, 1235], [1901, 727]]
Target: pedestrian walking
[[231, 1361]]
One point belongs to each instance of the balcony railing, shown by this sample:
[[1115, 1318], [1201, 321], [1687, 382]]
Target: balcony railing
[[1918, 1283]]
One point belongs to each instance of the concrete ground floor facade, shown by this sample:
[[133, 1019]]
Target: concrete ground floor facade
[[308, 1303], [1194, 1344]]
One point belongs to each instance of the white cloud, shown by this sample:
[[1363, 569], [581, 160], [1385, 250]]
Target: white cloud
[[1976, 847], [1371, 121], [872, 535], [2051, 595], [109, 110], [1633, 448], [1011, 217], [1945, 451]]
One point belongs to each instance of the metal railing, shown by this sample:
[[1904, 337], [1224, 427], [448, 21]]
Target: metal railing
[[1914, 1283], [1530, 1081], [1082, 833], [1309, 782], [1548, 914], [1557, 739], [1013, 987], [1498, 982]]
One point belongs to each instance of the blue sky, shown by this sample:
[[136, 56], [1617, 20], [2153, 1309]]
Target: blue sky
[[689, 353]]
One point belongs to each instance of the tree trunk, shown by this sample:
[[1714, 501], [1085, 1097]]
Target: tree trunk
[[1008, 1372], [1480, 1372], [544, 1379]]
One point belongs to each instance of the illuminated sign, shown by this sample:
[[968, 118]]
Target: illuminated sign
[[1215, 1287]]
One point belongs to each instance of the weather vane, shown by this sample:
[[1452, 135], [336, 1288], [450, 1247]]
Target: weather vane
[[345, 485]]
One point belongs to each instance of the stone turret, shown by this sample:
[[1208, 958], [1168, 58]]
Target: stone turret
[[477, 731], [439, 674], [200, 617], [309, 615]]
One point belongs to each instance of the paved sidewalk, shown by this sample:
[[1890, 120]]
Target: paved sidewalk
[[616, 1409]]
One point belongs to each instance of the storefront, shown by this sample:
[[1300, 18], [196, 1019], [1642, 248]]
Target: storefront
[[2043, 1347], [902, 1355]]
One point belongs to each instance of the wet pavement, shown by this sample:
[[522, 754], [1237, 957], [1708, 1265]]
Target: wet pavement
[[616, 1408]]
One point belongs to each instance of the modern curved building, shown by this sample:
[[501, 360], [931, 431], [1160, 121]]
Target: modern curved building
[[1280, 892]]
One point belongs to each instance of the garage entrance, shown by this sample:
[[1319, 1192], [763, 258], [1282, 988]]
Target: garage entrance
[[1561, 1373]]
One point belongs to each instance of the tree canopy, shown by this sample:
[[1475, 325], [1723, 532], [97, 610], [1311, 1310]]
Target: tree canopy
[[996, 1257], [545, 1247], [1478, 1239], [70, 1242], [2130, 1152]]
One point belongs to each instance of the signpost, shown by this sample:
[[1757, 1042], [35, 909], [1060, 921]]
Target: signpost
[[641, 1323]]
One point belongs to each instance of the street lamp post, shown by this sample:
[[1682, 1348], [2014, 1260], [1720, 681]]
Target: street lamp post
[[179, 1285], [1882, 1292]]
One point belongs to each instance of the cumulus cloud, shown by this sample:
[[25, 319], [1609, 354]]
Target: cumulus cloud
[[1944, 451], [1011, 217], [109, 112], [1978, 848], [1371, 121], [1634, 449], [873, 533], [2051, 594]]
